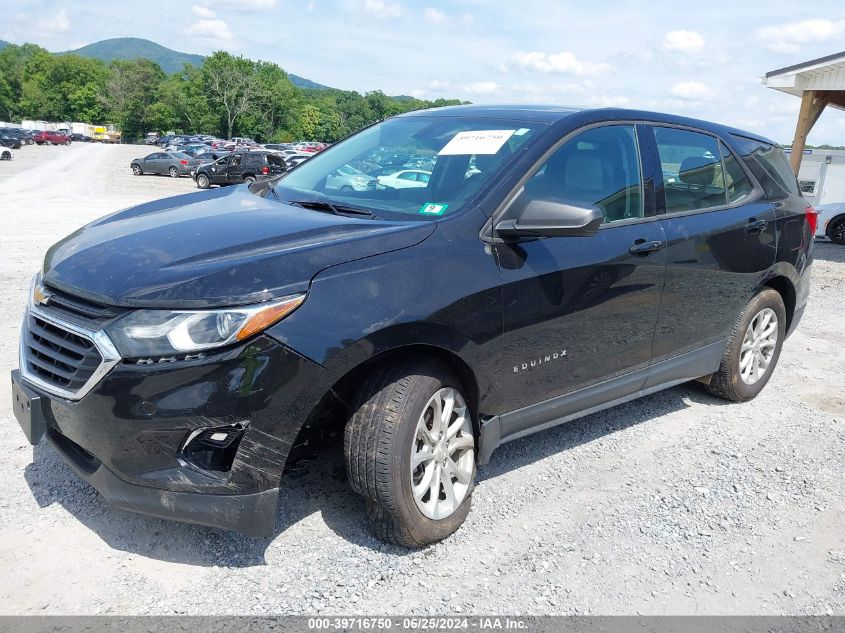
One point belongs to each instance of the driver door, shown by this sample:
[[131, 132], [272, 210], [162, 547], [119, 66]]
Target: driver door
[[579, 311]]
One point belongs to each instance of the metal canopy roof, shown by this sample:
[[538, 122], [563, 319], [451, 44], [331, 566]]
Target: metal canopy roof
[[825, 74]]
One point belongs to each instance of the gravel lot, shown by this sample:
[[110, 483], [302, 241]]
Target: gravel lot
[[678, 503]]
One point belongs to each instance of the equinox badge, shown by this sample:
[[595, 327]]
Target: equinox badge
[[535, 362]]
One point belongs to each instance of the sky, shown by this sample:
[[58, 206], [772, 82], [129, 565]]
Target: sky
[[701, 59]]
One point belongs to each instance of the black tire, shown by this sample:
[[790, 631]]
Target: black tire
[[836, 231], [67, 142], [345, 189], [377, 450], [174, 173], [249, 179], [6, 156], [136, 169], [49, 142], [202, 181], [727, 382]]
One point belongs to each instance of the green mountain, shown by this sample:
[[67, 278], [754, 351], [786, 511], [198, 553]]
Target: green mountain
[[169, 60], [2, 43]]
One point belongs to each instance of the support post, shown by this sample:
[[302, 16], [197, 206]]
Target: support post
[[812, 106]]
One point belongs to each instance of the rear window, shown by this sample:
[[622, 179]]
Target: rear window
[[770, 166]]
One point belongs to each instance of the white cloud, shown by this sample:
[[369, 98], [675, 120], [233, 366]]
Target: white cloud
[[790, 37], [467, 18], [210, 29], [55, 23], [437, 85], [683, 41], [203, 12], [434, 15], [382, 9], [563, 62], [481, 88], [692, 91]]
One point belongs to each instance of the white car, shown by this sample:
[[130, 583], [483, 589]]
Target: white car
[[346, 179], [5, 153], [831, 222], [405, 179]]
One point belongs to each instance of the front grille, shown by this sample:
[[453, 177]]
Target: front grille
[[58, 356], [77, 306]]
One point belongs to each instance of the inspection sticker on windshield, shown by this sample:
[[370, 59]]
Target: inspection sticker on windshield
[[478, 142], [432, 208]]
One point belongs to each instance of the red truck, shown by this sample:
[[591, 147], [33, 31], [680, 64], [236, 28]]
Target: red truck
[[49, 137]]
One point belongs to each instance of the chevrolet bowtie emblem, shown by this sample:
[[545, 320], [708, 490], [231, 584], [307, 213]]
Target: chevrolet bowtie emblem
[[40, 296]]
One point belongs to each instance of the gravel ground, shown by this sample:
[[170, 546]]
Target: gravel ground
[[677, 503]]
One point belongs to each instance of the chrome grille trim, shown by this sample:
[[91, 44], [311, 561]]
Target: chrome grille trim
[[100, 341]]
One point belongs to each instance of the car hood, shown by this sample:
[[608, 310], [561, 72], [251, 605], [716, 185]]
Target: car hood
[[214, 248]]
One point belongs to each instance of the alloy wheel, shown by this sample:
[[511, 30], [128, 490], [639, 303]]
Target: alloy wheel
[[758, 346], [443, 455]]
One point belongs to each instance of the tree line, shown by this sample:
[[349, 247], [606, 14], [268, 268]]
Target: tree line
[[228, 95]]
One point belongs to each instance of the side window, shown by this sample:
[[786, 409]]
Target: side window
[[770, 166], [599, 167], [421, 177], [407, 175], [738, 185], [692, 170]]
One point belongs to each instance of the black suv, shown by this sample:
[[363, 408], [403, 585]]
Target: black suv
[[239, 167], [178, 354]]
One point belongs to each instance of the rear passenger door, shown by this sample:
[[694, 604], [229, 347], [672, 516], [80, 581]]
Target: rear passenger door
[[235, 172], [721, 239]]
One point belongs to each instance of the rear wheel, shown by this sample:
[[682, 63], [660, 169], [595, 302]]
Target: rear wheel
[[836, 231], [49, 142], [136, 169], [174, 173], [249, 179], [410, 451], [6, 156], [753, 349], [202, 181]]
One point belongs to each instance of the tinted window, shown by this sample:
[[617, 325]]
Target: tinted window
[[770, 166], [737, 182], [599, 167], [692, 170]]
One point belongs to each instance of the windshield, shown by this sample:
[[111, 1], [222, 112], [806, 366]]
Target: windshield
[[418, 166]]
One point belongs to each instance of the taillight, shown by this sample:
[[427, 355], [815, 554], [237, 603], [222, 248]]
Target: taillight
[[183, 161], [812, 219], [265, 170]]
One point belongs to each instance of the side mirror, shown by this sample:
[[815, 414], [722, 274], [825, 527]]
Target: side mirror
[[548, 217]]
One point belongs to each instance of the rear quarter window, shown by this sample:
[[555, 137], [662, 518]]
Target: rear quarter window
[[770, 166]]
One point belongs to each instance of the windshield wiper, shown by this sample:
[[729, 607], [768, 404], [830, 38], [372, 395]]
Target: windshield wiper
[[330, 207]]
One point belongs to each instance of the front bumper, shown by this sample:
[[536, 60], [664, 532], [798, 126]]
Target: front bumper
[[127, 436]]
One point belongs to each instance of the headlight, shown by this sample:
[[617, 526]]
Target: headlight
[[166, 332]]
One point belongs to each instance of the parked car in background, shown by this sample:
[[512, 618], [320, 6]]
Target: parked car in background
[[173, 164], [24, 136], [239, 167], [292, 160], [151, 138], [346, 179], [6, 153], [405, 179], [82, 138], [48, 137], [10, 141]]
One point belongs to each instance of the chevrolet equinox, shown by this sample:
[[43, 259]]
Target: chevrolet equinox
[[555, 262]]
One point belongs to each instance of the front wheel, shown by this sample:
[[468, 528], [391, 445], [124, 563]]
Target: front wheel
[[410, 451], [174, 173], [136, 169], [836, 231], [6, 156], [753, 349], [202, 181]]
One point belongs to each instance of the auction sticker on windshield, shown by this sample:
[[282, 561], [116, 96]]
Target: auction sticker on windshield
[[432, 208], [476, 142]]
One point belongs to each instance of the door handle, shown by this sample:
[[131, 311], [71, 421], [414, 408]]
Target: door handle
[[753, 225], [644, 247]]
